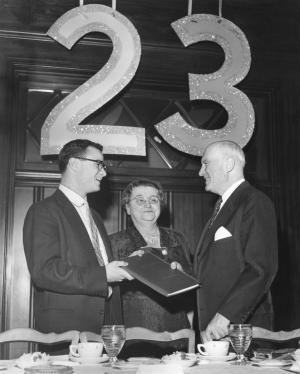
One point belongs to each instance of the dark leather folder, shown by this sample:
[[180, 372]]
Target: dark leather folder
[[157, 274]]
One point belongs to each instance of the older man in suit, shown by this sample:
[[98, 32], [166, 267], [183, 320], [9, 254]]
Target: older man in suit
[[68, 251], [236, 258]]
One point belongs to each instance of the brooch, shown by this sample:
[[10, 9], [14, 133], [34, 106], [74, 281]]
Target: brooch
[[164, 251]]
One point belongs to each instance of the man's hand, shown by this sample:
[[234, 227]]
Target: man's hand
[[176, 265], [115, 273], [140, 253], [216, 329]]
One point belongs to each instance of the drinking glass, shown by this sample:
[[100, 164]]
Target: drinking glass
[[113, 337], [240, 337]]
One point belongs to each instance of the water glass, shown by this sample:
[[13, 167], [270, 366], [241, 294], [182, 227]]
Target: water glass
[[113, 337], [240, 338]]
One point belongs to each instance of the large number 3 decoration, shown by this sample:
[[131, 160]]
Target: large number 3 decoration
[[62, 124], [217, 86]]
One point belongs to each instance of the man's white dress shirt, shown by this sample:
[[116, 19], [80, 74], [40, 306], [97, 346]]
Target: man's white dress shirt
[[80, 205], [229, 192]]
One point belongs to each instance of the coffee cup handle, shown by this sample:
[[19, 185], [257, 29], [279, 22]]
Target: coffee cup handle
[[73, 349], [200, 348]]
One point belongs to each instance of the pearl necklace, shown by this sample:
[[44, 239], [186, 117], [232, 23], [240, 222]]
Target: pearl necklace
[[150, 239]]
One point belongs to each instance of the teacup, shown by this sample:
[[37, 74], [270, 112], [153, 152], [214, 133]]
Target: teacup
[[87, 350], [214, 348]]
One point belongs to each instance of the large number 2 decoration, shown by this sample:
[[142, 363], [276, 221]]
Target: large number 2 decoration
[[62, 124], [217, 86]]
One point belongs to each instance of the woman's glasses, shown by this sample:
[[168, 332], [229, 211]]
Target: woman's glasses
[[140, 200]]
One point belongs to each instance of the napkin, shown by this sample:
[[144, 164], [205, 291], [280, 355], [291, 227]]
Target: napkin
[[161, 369]]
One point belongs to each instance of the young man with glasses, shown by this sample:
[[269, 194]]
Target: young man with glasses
[[68, 251]]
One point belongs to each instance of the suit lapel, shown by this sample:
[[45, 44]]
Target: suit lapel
[[76, 222], [199, 246], [221, 219]]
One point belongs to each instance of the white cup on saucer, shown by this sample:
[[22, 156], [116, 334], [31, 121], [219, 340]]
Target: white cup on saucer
[[87, 350], [214, 348]]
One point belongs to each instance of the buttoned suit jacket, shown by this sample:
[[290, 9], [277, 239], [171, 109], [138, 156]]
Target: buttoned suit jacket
[[70, 286], [236, 271]]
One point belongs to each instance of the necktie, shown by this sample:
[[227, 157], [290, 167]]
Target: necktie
[[95, 237], [216, 210]]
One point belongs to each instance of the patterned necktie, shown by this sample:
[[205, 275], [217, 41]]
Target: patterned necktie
[[95, 237], [216, 210]]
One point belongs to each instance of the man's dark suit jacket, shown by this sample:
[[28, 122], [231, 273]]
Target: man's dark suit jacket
[[71, 287], [236, 271]]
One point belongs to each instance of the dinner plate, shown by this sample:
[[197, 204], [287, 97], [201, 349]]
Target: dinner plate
[[272, 363], [144, 361], [231, 356], [256, 360], [89, 361], [123, 365], [138, 359], [182, 363], [24, 364]]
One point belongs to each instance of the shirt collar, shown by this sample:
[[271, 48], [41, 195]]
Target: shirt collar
[[75, 199], [230, 190]]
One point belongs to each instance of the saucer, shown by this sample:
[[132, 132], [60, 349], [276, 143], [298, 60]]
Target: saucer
[[89, 361], [231, 356]]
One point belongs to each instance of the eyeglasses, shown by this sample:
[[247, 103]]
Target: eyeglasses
[[99, 163], [140, 200]]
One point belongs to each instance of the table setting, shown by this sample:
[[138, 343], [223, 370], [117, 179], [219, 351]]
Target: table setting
[[213, 357]]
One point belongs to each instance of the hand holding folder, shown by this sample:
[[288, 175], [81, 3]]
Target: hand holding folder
[[157, 274]]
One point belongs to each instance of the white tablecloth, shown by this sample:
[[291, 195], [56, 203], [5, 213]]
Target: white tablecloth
[[211, 368]]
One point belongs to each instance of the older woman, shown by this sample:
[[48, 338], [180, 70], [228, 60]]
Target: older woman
[[143, 307]]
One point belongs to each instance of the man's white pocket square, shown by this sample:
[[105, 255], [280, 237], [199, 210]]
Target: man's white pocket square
[[222, 233]]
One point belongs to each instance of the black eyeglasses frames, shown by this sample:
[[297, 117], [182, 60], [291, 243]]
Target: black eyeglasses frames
[[99, 163]]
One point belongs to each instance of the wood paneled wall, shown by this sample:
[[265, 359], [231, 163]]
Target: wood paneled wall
[[287, 282]]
